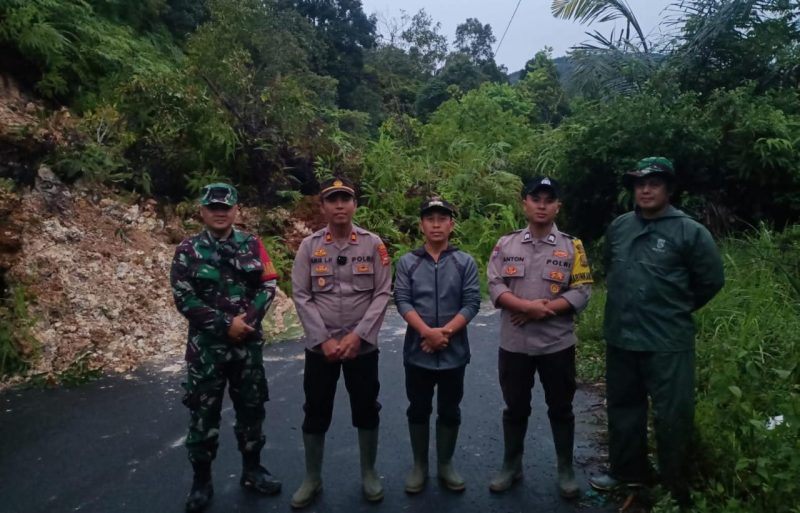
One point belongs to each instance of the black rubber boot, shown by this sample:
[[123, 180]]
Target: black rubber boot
[[256, 477], [202, 490]]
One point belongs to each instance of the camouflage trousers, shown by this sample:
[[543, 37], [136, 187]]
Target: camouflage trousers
[[205, 389]]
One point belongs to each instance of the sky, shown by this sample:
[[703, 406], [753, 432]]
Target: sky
[[533, 27]]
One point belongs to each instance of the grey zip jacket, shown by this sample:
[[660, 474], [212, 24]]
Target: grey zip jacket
[[437, 291]]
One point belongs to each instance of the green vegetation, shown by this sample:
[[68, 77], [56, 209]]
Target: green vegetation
[[748, 378], [271, 96], [18, 348]]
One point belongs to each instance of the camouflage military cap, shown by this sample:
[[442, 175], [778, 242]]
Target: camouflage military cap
[[650, 166], [220, 193]]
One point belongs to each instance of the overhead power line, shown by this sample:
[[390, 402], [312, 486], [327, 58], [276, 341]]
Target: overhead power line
[[506, 30]]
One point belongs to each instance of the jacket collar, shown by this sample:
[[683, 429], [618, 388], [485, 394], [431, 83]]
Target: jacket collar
[[550, 238], [421, 252], [670, 211], [327, 236], [236, 236]]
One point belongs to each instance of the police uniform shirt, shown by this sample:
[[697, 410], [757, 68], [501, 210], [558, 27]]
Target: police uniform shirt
[[342, 287], [550, 268]]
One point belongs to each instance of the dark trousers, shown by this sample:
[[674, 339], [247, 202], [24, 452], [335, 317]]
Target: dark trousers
[[557, 374], [668, 378], [319, 384], [205, 390], [420, 384]]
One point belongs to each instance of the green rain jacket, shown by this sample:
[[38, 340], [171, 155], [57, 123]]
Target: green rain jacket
[[659, 271]]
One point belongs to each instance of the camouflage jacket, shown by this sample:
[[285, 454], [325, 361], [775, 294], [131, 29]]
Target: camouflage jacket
[[212, 282]]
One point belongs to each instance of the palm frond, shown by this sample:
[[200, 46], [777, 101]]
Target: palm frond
[[712, 18], [590, 11], [611, 68]]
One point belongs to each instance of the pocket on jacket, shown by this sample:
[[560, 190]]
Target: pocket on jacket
[[363, 276], [555, 274], [321, 278]]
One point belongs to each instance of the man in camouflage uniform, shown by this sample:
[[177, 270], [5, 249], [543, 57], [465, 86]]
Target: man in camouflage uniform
[[341, 281], [223, 282]]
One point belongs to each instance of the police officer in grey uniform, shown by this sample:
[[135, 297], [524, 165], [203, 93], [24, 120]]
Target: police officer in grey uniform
[[341, 282], [540, 278]]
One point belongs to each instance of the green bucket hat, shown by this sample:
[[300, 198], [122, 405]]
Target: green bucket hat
[[221, 193], [650, 166]]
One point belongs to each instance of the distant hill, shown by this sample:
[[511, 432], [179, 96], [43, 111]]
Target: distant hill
[[565, 69]]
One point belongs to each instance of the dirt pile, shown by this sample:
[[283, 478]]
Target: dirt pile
[[97, 269]]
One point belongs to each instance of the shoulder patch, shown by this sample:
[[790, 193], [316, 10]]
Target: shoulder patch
[[581, 273], [384, 254]]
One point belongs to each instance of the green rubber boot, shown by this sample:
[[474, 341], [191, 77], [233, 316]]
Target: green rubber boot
[[312, 483], [446, 437], [371, 482], [511, 471], [420, 439], [564, 439]]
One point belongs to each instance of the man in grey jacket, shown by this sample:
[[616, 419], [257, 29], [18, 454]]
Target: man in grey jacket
[[437, 292]]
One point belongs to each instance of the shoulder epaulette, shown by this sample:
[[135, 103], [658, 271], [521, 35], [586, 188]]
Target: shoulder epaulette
[[567, 235]]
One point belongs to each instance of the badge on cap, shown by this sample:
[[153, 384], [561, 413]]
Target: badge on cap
[[546, 181], [338, 183]]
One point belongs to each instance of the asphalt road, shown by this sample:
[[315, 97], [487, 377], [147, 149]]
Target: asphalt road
[[115, 445]]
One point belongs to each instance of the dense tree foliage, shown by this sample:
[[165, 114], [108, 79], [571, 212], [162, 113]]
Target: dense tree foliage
[[267, 94], [272, 95]]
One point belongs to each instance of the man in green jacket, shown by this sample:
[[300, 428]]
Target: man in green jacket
[[661, 266]]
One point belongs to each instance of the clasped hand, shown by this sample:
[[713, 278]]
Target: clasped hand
[[534, 310], [239, 328], [435, 339], [339, 350]]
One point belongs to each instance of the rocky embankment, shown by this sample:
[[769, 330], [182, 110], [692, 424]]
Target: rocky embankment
[[96, 270]]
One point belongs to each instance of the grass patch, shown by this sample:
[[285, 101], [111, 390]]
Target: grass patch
[[18, 347]]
